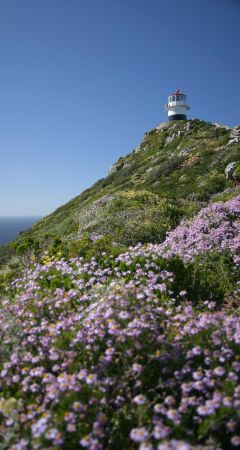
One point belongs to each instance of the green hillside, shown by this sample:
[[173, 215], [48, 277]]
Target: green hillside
[[177, 169], [119, 321]]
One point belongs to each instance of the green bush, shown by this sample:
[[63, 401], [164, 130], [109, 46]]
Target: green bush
[[100, 249], [211, 277]]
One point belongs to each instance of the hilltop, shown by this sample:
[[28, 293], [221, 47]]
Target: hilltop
[[178, 168]]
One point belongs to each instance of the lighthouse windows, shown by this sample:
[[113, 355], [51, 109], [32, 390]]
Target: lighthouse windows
[[177, 98]]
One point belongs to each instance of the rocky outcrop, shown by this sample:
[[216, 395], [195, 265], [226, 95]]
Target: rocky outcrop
[[230, 169], [112, 169], [234, 135], [115, 167], [163, 126], [185, 129], [218, 125]]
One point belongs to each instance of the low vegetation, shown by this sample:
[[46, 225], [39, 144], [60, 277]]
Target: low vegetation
[[119, 313], [177, 169]]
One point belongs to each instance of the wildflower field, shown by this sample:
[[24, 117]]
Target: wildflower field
[[134, 352]]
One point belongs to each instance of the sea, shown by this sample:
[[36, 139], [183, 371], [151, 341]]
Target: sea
[[11, 226]]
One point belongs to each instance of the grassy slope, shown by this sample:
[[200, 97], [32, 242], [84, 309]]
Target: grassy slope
[[176, 170]]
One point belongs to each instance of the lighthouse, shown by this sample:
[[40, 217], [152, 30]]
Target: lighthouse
[[176, 106]]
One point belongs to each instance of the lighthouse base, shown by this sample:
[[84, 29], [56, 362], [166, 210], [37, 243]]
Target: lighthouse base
[[177, 117]]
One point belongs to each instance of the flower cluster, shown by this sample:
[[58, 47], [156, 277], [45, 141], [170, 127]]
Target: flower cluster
[[106, 356], [214, 227]]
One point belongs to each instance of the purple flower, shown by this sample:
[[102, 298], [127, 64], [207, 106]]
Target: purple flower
[[140, 399], [139, 434], [235, 441]]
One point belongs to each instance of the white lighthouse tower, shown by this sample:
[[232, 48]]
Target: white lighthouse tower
[[176, 106]]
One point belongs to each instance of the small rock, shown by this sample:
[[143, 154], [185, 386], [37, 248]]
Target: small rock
[[185, 151], [218, 125], [230, 169], [170, 139], [234, 135], [180, 133], [137, 149], [163, 126], [150, 169], [188, 126], [112, 169]]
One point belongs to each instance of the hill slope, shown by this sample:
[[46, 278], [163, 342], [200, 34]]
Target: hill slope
[[137, 352], [178, 168], [137, 349]]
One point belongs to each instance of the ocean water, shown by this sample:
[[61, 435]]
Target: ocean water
[[11, 226]]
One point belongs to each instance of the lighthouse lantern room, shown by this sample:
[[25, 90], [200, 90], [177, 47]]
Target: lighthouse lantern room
[[176, 106]]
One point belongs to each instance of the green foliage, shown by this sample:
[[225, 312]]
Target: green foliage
[[228, 194], [211, 277], [215, 182], [55, 280], [236, 173], [58, 247], [99, 249], [27, 248], [134, 216], [6, 279], [6, 253], [170, 175]]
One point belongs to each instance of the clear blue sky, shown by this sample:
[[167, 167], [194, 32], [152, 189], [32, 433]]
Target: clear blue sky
[[82, 80]]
